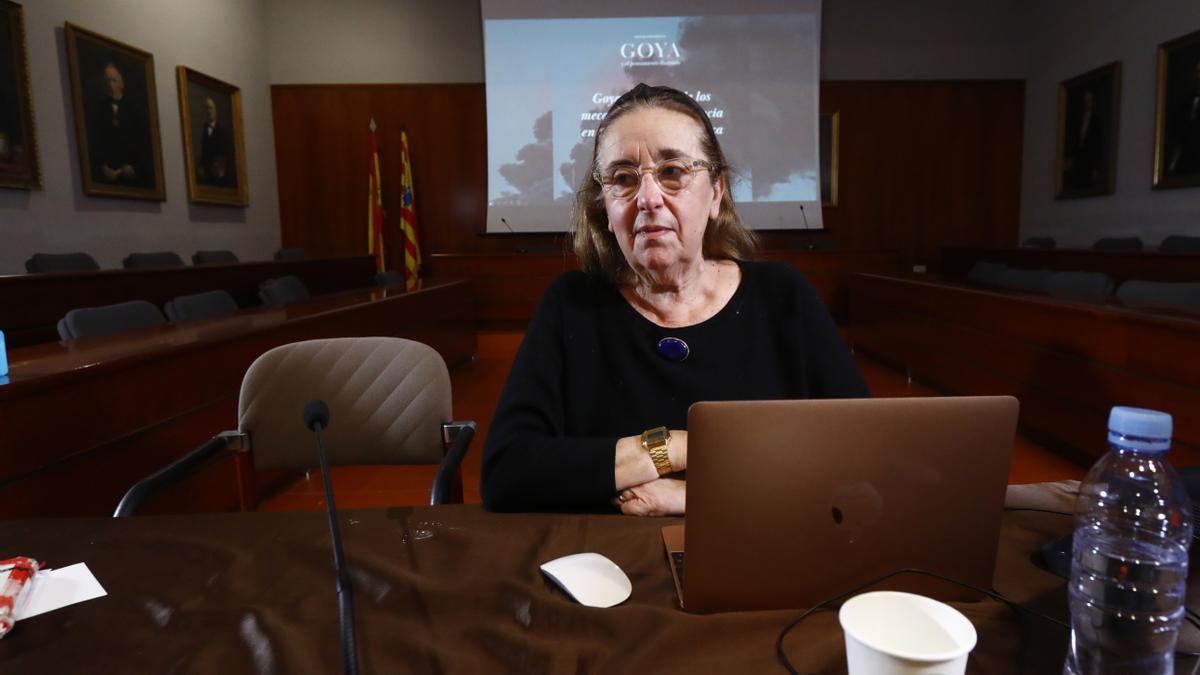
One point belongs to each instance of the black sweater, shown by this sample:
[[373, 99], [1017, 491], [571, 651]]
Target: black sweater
[[588, 373]]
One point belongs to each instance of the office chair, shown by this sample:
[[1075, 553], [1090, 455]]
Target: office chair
[[390, 401], [200, 306], [291, 254], [91, 321], [1178, 243], [222, 257], [1177, 296], [282, 291], [60, 262], [1093, 287], [1118, 244], [1039, 242], [141, 261]]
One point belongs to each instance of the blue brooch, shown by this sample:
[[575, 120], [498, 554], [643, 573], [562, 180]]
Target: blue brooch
[[673, 349]]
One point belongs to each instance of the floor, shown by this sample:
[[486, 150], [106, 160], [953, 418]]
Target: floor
[[477, 387]]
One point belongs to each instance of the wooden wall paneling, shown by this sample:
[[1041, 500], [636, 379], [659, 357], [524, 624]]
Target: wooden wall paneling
[[923, 165]]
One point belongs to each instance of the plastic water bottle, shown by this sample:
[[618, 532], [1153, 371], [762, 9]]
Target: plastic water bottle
[[3, 356], [1129, 564]]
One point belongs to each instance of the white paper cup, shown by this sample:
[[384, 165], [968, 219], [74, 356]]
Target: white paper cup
[[890, 633]]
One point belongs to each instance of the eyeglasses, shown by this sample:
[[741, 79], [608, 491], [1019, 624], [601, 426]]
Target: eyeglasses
[[672, 176]]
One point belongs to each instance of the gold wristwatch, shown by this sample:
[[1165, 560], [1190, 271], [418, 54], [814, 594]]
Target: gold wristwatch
[[656, 441]]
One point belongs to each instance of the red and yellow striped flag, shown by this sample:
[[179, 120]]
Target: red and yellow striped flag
[[375, 207], [408, 219]]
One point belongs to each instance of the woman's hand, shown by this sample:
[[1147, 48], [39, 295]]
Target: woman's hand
[[659, 497], [634, 466]]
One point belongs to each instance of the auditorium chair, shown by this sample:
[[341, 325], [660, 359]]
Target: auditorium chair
[[200, 306], [1176, 296], [1118, 244], [389, 401], [92, 321], [60, 262], [282, 291], [290, 254], [142, 261], [1092, 287], [1178, 243], [1039, 242], [221, 257], [389, 278], [1032, 281], [987, 273]]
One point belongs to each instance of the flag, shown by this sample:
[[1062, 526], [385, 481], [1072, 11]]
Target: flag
[[408, 219], [375, 206]]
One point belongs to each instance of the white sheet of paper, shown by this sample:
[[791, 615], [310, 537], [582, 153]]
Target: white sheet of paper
[[52, 589]]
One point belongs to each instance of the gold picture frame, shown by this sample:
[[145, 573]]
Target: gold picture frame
[[1177, 114], [1089, 116], [19, 166], [828, 132], [116, 116], [211, 114]]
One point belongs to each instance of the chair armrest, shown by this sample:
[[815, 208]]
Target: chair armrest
[[457, 435], [132, 501]]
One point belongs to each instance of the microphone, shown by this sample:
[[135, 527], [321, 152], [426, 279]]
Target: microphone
[[316, 420], [805, 216], [528, 249]]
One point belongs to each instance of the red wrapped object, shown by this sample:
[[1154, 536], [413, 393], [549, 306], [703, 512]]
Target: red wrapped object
[[15, 575]]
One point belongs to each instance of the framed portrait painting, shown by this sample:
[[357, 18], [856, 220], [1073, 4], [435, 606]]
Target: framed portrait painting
[[116, 117], [1177, 114], [1089, 107], [18, 138], [213, 139], [828, 132]]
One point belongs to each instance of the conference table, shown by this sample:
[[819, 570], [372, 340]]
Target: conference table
[[453, 589]]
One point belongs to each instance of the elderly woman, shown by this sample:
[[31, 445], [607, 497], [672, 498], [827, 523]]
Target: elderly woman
[[668, 310]]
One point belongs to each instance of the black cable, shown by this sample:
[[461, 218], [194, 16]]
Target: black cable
[[1191, 616], [1025, 508], [344, 592]]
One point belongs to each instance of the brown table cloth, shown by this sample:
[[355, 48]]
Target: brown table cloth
[[449, 589]]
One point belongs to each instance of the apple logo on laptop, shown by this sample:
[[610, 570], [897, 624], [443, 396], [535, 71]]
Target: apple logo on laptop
[[854, 508]]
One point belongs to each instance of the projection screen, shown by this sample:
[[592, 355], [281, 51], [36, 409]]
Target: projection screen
[[552, 70]]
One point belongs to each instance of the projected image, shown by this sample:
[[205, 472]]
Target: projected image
[[550, 81]]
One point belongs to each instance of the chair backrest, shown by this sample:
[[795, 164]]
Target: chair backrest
[[290, 254], [388, 398], [1180, 296], [1039, 242], [200, 306], [61, 262], [282, 291], [389, 278], [987, 273], [139, 261], [91, 321], [221, 257], [1033, 281], [1118, 244], [1178, 243], [1094, 287]]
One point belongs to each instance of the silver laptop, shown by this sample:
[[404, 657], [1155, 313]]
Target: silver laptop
[[793, 502]]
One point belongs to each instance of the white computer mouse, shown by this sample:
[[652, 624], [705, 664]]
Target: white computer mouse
[[589, 578]]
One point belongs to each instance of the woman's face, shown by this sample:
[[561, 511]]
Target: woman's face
[[659, 233]]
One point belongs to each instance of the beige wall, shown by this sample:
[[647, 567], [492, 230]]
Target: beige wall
[[1071, 37], [222, 38]]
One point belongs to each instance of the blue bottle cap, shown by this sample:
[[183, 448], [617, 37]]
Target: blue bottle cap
[[1139, 428]]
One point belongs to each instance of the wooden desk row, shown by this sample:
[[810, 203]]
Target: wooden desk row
[[31, 304], [84, 420], [508, 286], [1067, 363]]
